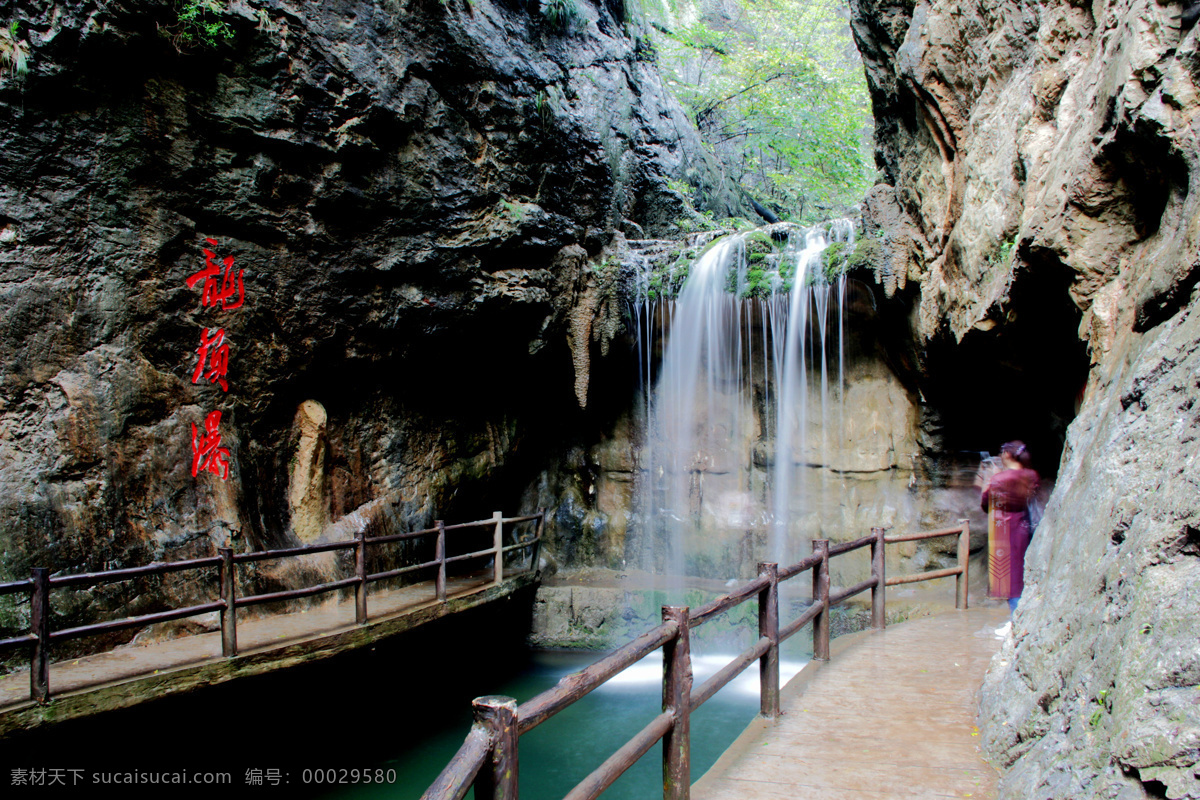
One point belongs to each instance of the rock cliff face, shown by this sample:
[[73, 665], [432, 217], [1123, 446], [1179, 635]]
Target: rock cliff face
[[1043, 164], [420, 195]]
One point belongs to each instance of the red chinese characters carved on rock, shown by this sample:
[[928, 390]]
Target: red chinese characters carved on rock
[[222, 289], [207, 453], [215, 352], [218, 290]]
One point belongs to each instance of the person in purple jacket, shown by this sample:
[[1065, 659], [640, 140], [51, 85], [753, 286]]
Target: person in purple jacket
[[1006, 498]]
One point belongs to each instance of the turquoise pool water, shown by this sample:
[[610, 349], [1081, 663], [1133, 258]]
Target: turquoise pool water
[[562, 751]]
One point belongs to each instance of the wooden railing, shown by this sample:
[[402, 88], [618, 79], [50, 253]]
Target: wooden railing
[[41, 634], [488, 758]]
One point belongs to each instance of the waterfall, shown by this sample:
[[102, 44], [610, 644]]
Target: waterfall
[[745, 395], [805, 348]]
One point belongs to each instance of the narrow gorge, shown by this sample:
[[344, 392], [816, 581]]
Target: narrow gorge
[[443, 248]]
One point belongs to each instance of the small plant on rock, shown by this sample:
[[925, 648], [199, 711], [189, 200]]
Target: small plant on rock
[[561, 14], [1104, 703], [14, 53], [682, 188], [513, 211], [199, 24], [1003, 255], [542, 109]]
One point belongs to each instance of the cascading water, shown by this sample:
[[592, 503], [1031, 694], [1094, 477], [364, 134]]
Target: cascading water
[[806, 347], [742, 400], [695, 414]]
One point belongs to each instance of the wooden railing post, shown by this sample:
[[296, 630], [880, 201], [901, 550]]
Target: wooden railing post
[[964, 561], [677, 693], [498, 543], [39, 626], [360, 572], [534, 564], [497, 779], [439, 555], [768, 627], [820, 595], [878, 573], [229, 595]]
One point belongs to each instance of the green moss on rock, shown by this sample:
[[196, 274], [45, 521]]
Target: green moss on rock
[[833, 260], [759, 243], [867, 253]]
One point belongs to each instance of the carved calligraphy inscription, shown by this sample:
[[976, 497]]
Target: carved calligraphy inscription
[[222, 289]]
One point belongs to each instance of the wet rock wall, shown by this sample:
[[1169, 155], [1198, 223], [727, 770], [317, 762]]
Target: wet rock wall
[[1040, 161], [420, 195]]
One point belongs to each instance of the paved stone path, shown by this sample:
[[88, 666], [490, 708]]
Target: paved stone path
[[891, 715]]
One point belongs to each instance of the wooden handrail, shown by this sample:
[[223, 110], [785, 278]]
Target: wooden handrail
[[924, 576], [468, 556], [395, 573], [680, 700], [794, 627], [455, 780], [134, 622], [728, 672], [16, 586], [727, 601], [396, 537], [578, 685], [912, 537], [27, 638], [961, 572], [293, 594], [615, 765], [846, 547], [306, 550], [857, 588], [803, 565], [158, 568], [41, 633]]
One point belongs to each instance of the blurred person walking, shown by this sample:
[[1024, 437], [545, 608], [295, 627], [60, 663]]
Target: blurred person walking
[[1007, 496]]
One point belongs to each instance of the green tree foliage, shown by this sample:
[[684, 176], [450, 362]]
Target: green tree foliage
[[777, 90]]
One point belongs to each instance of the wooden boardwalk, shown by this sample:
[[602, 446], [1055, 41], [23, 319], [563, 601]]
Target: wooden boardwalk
[[131, 674], [892, 715]]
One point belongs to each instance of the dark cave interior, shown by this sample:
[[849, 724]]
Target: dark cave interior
[[1020, 380]]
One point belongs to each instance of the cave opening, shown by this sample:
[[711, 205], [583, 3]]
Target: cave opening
[[1021, 378]]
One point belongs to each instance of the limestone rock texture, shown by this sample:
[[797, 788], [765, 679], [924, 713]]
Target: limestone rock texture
[[1042, 161], [418, 195]]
